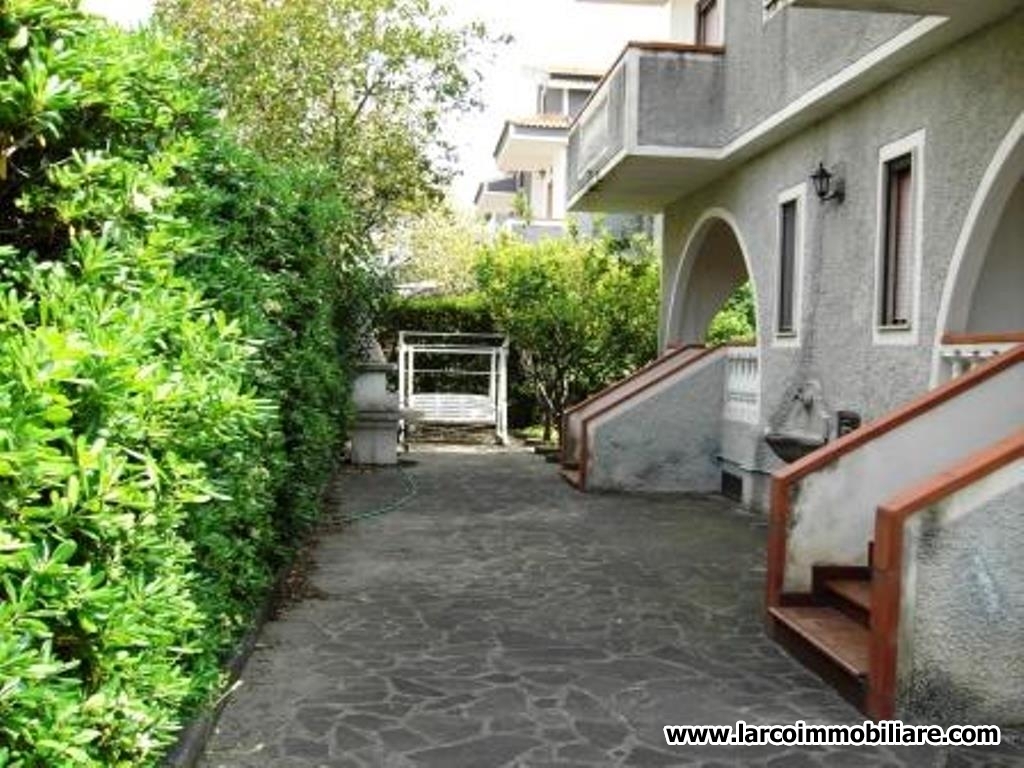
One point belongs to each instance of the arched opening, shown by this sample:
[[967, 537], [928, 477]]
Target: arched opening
[[985, 292], [982, 311], [997, 302], [713, 275]]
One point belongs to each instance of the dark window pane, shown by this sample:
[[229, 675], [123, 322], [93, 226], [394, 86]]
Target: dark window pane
[[897, 282], [787, 266]]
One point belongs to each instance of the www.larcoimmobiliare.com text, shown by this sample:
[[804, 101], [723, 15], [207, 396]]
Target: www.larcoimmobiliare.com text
[[800, 734]]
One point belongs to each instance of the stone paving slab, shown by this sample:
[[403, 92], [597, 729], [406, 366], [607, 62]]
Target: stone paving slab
[[501, 618]]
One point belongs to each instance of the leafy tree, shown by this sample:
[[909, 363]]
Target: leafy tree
[[580, 313], [439, 245], [364, 86]]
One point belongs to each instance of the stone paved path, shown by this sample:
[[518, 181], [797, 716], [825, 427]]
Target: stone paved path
[[502, 619]]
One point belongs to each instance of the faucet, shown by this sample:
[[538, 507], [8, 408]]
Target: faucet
[[804, 395]]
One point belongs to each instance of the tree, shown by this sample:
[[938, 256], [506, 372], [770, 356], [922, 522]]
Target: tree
[[364, 86], [580, 313], [438, 246]]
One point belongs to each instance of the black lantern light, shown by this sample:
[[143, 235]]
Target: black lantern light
[[827, 185]]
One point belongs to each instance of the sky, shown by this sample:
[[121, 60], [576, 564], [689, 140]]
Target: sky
[[546, 33]]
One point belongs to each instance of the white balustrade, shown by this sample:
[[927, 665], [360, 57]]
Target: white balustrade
[[743, 385], [958, 359]]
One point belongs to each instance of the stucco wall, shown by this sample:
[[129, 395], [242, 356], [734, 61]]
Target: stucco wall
[[961, 654], [965, 100], [680, 99], [694, 102], [668, 441], [998, 302], [833, 511]]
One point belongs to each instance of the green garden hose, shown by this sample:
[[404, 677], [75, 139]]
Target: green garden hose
[[411, 491]]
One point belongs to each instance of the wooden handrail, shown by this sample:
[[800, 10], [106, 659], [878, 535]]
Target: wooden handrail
[[887, 576], [969, 339], [784, 479], [673, 353]]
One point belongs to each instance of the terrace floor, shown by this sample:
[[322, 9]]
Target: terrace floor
[[500, 618]]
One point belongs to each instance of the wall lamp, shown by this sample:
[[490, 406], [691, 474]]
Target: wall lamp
[[828, 185]]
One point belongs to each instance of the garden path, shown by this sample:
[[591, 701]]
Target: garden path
[[502, 619]]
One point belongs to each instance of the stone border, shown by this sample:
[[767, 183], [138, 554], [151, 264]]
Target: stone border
[[193, 737]]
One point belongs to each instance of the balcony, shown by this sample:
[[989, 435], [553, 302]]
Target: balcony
[[531, 143], [650, 128], [669, 118]]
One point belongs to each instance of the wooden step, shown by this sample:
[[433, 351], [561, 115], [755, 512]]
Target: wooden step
[[829, 631], [854, 591]]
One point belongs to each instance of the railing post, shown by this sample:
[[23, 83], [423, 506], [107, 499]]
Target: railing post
[[502, 414], [402, 402]]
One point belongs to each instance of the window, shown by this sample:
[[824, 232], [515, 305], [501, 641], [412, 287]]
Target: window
[[709, 22], [787, 268], [899, 240], [553, 102], [790, 269], [577, 100], [898, 245]]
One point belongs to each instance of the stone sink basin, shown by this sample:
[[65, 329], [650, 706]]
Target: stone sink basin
[[790, 446]]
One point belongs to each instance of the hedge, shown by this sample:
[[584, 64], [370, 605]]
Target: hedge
[[174, 335]]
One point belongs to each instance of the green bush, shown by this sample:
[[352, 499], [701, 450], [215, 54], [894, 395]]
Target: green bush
[[736, 321], [581, 314], [175, 319]]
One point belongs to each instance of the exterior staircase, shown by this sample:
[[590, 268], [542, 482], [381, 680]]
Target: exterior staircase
[[620, 438], [839, 596], [577, 419], [829, 628]]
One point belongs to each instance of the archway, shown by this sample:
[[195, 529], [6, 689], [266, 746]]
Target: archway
[[985, 286], [981, 302], [714, 266]]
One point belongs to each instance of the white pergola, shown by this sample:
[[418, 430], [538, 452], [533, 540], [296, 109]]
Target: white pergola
[[472, 407]]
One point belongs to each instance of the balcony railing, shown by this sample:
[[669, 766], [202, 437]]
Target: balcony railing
[[743, 385], [961, 354]]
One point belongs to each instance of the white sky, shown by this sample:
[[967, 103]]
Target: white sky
[[547, 33]]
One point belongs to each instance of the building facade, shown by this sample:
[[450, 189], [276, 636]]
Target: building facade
[[861, 164]]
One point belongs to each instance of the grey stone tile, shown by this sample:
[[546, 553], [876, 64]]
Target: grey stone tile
[[487, 751], [503, 619]]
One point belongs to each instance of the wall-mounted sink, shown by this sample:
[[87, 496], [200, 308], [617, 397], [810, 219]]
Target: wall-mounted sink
[[790, 446]]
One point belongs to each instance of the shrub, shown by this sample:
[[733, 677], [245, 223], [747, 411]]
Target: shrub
[[446, 314], [580, 313], [736, 321], [174, 324]]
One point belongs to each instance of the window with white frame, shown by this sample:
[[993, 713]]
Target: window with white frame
[[898, 259], [789, 274]]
